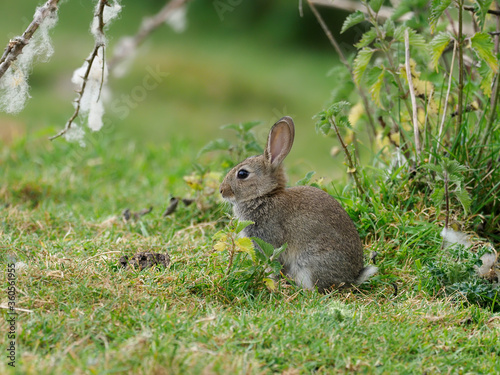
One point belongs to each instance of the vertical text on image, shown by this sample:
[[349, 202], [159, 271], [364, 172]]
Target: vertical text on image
[[11, 315]]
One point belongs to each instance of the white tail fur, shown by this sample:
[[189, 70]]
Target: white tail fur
[[366, 273]]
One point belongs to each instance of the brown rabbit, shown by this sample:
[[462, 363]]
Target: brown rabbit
[[324, 249]]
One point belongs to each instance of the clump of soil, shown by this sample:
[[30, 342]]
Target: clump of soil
[[145, 260]]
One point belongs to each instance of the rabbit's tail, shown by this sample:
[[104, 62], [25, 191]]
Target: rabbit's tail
[[366, 273]]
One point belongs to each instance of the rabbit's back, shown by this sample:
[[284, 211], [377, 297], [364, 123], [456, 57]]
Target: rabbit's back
[[324, 247]]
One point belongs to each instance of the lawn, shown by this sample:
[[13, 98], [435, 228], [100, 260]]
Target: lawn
[[62, 223], [61, 217]]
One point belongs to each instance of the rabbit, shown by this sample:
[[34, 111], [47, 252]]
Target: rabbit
[[324, 249]]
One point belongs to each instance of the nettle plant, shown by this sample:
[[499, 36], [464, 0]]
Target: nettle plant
[[252, 262], [424, 83]]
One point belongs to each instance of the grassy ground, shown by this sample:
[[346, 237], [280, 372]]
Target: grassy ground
[[60, 215], [90, 316]]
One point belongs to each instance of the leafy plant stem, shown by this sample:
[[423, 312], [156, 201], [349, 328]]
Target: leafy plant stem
[[491, 117], [460, 66], [398, 80], [446, 99], [350, 162], [231, 255], [344, 61], [447, 199], [412, 96]]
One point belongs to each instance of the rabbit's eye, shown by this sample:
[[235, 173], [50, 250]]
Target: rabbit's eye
[[242, 174]]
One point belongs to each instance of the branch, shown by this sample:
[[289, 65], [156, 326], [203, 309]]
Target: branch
[[352, 167], [15, 47], [80, 92], [412, 96], [344, 61], [149, 24], [490, 11], [90, 61]]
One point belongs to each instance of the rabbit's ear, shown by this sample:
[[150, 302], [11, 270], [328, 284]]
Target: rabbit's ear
[[280, 141]]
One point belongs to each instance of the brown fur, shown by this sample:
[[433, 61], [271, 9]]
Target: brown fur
[[324, 249]]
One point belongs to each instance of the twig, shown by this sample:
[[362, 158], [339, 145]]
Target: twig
[[99, 43], [149, 24], [15, 308], [344, 61], [490, 11], [497, 33], [412, 96], [80, 92], [15, 47], [352, 167]]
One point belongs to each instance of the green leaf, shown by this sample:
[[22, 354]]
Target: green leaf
[[241, 127], [352, 20], [278, 251], [433, 167], [437, 196], [487, 76], [323, 128], [336, 108], [389, 28], [376, 5], [322, 124], [437, 47], [481, 10], [343, 122], [437, 9], [367, 38], [245, 244], [376, 81], [415, 39], [246, 126], [219, 235], [217, 145], [482, 44], [453, 167], [270, 283], [360, 63], [253, 146], [242, 225], [464, 198], [221, 245], [266, 248], [306, 179]]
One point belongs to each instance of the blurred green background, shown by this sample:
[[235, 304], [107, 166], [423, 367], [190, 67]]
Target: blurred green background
[[260, 62]]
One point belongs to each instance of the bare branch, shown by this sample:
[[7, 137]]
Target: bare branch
[[412, 95], [149, 24], [80, 92], [15, 47], [99, 14]]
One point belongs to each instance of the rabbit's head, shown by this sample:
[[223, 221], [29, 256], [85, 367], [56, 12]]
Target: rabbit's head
[[261, 175]]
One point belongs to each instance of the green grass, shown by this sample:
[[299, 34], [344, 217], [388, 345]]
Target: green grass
[[90, 316], [60, 213]]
